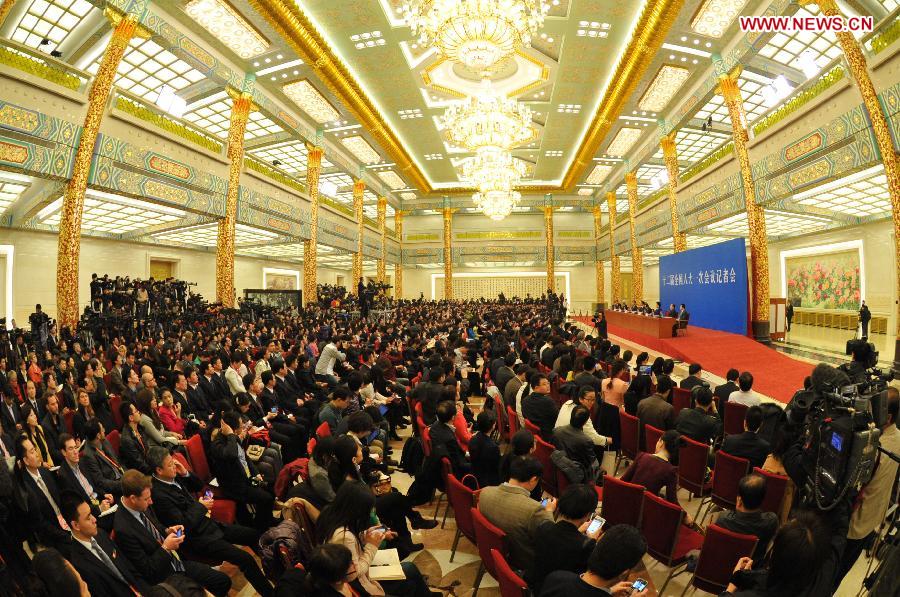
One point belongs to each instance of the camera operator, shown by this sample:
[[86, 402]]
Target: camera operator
[[875, 497], [40, 327]]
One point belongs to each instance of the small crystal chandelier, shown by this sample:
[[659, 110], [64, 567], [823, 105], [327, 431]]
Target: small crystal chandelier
[[497, 204], [492, 168], [476, 33], [488, 120]]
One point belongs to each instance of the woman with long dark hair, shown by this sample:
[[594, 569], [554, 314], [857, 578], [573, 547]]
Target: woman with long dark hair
[[660, 469], [350, 521]]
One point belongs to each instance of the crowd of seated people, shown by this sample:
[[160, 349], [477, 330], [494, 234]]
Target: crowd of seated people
[[109, 447]]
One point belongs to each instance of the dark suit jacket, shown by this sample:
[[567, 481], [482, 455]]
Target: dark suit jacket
[[485, 456], [747, 445], [152, 563], [586, 379], [231, 476], [504, 374], [102, 475], [133, 453], [117, 381], [510, 391], [68, 482], [37, 407], [561, 547], [697, 425], [10, 420], [52, 430], [173, 504], [541, 410], [101, 580], [43, 517], [723, 391], [6, 438], [689, 382], [286, 397], [444, 444], [654, 410], [577, 446], [198, 403]]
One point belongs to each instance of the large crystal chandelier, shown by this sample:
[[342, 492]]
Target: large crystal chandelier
[[488, 120], [476, 33], [493, 168], [496, 204]]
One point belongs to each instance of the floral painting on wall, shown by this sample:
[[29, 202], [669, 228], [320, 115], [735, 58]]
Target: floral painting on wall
[[827, 281]]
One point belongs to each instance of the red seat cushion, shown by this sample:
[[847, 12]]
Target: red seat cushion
[[688, 540]]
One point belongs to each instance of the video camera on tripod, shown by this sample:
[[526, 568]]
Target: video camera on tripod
[[840, 422]]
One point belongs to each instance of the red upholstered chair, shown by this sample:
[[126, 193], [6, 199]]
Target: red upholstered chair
[[692, 461], [446, 471], [532, 428], [487, 538], [513, 421], [502, 425], [113, 438], [776, 486], [668, 540], [733, 421], [115, 402], [197, 457], [511, 584], [323, 430], [630, 437], [622, 502], [681, 398], [68, 417], [462, 500], [311, 445], [720, 553], [542, 451], [224, 511], [651, 436], [729, 470], [426, 441]]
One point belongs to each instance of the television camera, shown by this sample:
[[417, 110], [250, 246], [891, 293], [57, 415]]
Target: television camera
[[839, 418]]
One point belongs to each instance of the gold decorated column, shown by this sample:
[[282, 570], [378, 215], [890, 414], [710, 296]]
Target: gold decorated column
[[69, 244], [670, 156], [382, 254], [548, 242], [240, 111], [614, 259], [598, 263], [313, 168], [637, 258], [859, 69], [756, 217], [5, 8], [448, 253], [398, 267], [359, 188]]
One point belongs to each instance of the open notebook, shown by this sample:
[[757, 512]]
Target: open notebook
[[386, 566]]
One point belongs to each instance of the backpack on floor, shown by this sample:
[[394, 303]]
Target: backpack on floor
[[280, 547]]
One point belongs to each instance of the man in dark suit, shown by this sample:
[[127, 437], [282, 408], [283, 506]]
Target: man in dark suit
[[132, 386], [152, 548], [237, 476], [443, 439], [133, 445], [586, 377], [53, 423], [42, 494], [198, 401], [31, 400], [512, 387], [748, 444], [105, 571], [7, 448], [700, 423], [174, 505], [11, 414], [576, 444], [505, 372], [693, 378], [657, 410], [538, 407], [723, 391], [99, 462], [118, 376], [74, 480]]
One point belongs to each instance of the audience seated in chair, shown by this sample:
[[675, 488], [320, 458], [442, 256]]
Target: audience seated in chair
[[748, 444]]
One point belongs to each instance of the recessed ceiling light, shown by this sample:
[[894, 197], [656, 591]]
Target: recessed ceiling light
[[279, 57], [392, 179], [584, 192], [622, 142], [228, 26], [360, 148], [407, 196], [311, 101], [598, 174], [715, 16]]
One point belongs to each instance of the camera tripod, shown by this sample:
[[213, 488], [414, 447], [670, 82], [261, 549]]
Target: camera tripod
[[884, 557]]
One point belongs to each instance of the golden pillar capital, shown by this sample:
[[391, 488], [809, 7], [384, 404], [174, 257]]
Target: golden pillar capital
[[240, 112], [448, 253], [313, 169], [382, 254], [5, 9], [828, 7], [614, 259], [359, 188], [637, 262], [69, 242], [670, 157]]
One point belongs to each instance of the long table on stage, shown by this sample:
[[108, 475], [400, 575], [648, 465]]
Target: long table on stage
[[657, 327]]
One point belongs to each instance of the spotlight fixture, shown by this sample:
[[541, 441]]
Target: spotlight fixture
[[709, 122], [56, 53], [45, 42], [276, 162]]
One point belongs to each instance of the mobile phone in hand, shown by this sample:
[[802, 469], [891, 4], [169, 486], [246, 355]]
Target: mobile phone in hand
[[596, 525], [639, 585], [544, 502], [208, 495], [179, 533]]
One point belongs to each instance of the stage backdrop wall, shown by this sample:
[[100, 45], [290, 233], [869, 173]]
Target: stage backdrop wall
[[711, 282]]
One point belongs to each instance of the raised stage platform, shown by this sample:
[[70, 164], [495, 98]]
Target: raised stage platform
[[775, 374]]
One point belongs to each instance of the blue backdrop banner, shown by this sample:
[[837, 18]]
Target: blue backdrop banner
[[711, 282]]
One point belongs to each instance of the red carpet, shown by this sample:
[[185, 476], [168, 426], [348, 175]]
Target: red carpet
[[775, 374]]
